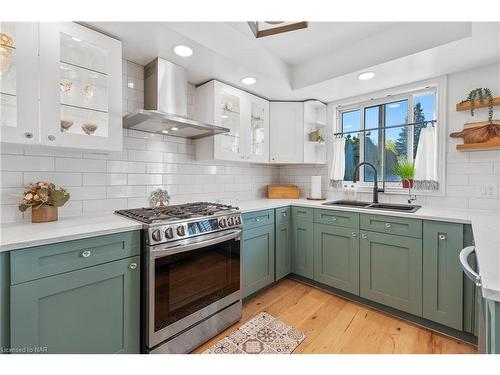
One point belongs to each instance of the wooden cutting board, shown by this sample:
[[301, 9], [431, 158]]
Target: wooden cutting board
[[282, 191]]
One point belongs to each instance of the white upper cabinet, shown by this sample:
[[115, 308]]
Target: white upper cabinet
[[295, 127], [60, 85], [80, 88], [245, 115], [19, 122], [287, 132]]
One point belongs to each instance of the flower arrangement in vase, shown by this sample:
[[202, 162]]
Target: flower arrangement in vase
[[44, 199]]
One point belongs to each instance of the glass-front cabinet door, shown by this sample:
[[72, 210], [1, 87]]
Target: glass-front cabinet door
[[230, 112], [19, 82], [80, 88], [258, 135]]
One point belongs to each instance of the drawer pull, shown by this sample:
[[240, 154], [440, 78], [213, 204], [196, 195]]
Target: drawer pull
[[86, 253], [284, 214], [354, 234], [388, 225], [132, 266], [364, 236], [333, 218], [442, 236]]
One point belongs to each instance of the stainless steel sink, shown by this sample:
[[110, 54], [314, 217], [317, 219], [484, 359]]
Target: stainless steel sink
[[375, 206]]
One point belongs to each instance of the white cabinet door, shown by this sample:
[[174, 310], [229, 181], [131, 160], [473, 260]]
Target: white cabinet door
[[287, 132], [258, 131], [80, 88], [231, 111], [19, 82]]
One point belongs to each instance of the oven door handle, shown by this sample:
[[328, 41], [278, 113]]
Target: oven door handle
[[162, 251]]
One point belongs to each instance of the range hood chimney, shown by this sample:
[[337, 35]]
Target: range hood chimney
[[165, 104]]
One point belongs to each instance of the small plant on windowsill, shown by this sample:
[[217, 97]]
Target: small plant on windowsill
[[406, 171]]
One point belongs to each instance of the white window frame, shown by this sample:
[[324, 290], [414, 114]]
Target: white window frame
[[437, 85]]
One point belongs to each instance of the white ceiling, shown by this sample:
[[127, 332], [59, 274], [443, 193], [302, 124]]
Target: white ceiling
[[320, 62]]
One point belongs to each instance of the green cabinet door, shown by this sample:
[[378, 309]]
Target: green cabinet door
[[92, 310], [391, 270], [336, 257], [302, 248], [442, 273], [258, 258], [283, 249]]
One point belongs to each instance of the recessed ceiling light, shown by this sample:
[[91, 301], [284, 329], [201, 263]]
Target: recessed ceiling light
[[164, 131], [174, 128], [76, 39], [248, 80], [183, 51], [366, 75]]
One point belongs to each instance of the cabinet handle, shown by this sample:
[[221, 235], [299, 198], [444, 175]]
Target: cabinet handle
[[132, 266], [28, 135], [51, 137], [364, 236], [257, 219], [86, 253], [388, 225], [442, 236], [333, 218], [284, 214], [354, 234]]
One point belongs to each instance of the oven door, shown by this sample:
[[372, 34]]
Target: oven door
[[190, 281]]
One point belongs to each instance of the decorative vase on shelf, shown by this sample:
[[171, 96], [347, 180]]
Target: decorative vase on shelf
[[43, 214]]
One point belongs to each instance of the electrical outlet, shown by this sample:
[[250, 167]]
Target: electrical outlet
[[488, 190]]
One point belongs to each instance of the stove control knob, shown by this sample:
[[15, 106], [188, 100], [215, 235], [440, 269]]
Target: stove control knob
[[181, 231], [237, 220], [156, 235], [230, 221], [222, 223], [169, 233]]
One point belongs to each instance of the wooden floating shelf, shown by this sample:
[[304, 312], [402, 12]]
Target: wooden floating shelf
[[477, 104], [492, 144]]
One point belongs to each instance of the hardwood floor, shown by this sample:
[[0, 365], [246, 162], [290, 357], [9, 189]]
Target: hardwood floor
[[335, 325]]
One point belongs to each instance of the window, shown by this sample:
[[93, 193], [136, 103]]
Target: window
[[388, 137]]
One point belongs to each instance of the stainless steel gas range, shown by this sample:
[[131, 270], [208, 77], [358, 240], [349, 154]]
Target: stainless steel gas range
[[191, 274]]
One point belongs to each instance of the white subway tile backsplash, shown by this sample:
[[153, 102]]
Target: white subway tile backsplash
[[80, 165], [126, 166], [144, 179], [11, 179], [27, 163], [103, 205], [94, 179], [126, 191], [58, 178]]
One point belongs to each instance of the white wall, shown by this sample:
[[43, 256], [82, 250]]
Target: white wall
[[124, 179], [465, 171]]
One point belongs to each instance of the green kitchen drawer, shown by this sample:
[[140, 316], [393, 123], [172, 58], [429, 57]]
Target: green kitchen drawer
[[283, 215], [47, 260], [392, 225], [257, 219], [339, 218], [302, 213]]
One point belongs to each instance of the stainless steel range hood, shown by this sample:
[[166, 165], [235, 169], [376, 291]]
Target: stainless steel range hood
[[165, 103]]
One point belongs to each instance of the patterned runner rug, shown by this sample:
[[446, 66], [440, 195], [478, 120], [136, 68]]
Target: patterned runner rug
[[263, 334]]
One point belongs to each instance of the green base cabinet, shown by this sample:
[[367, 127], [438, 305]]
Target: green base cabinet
[[492, 326], [302, 248], [4, 302], [336, 257], [91, 310], [442, 274], [391, 270], [258, 258], [283, 237]]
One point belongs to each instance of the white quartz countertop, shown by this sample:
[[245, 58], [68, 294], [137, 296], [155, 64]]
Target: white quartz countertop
[[18, 235], [485, 227]]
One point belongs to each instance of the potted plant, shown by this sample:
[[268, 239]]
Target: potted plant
[[480, 94], [44, 199], [405, 170]]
